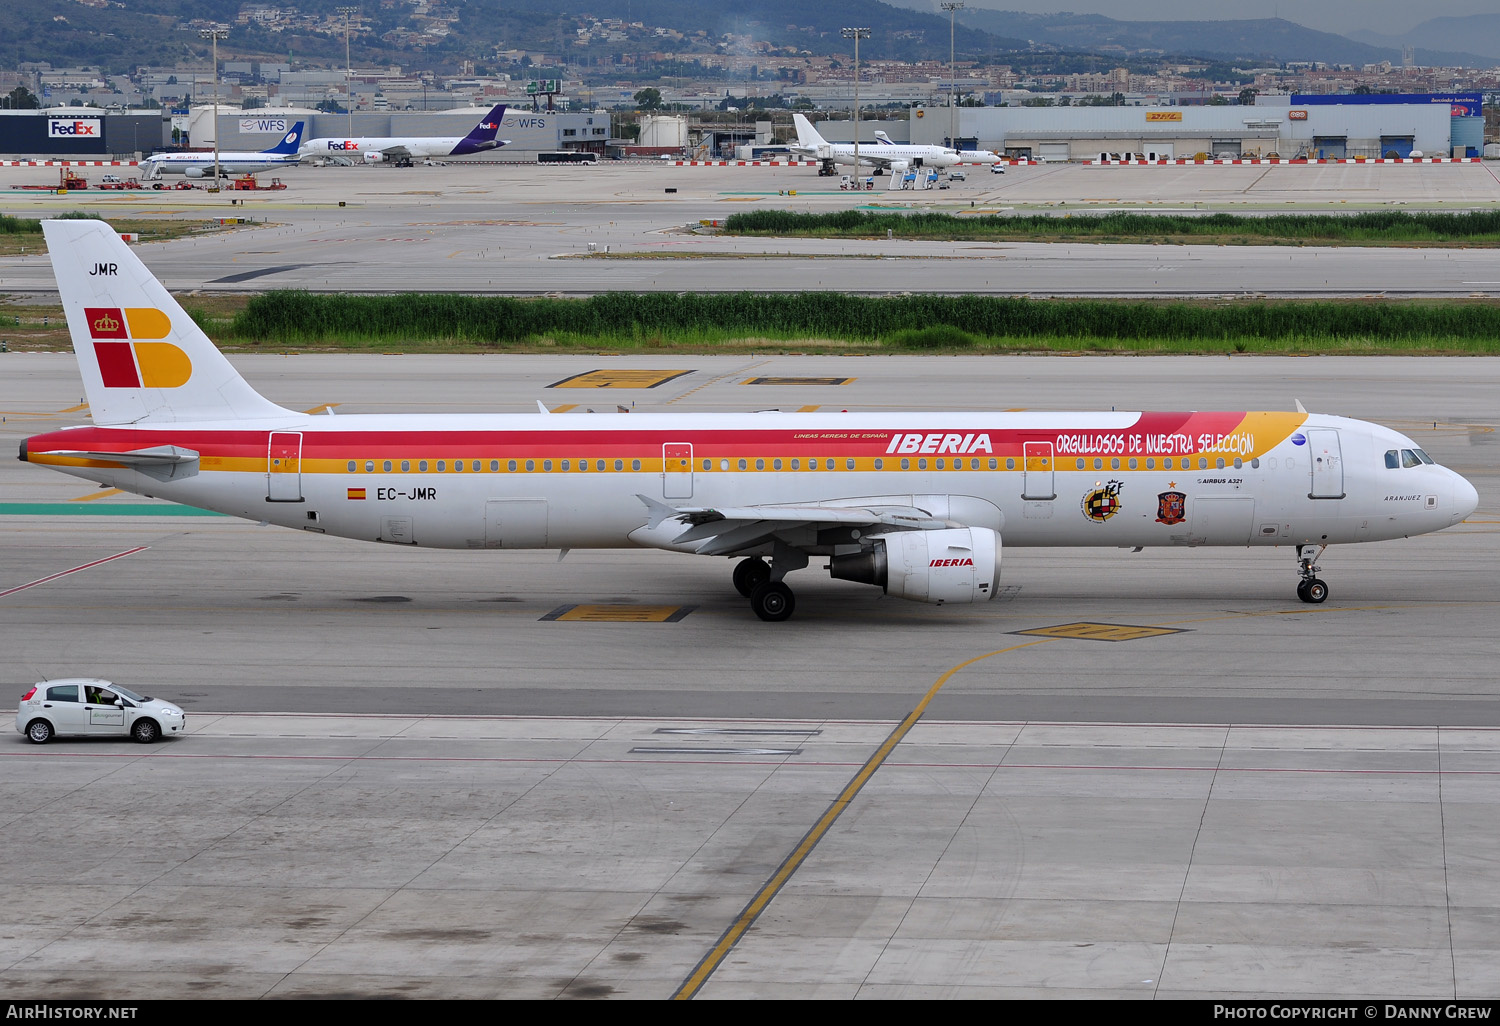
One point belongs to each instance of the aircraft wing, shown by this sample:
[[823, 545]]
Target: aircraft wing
[[720, 530], [397, 152]]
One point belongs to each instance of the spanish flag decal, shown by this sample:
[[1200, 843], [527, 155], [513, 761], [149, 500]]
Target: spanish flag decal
[[356, 493], [132, 362]]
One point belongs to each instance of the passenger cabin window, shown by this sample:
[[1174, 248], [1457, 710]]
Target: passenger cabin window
[[63, 693]]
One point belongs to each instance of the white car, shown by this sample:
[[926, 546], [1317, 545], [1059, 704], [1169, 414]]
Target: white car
[[997, 169], [89, 707], [956, 175]]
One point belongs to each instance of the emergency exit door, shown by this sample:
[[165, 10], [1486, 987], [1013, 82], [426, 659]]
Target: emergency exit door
[[677, 470], [1037, 471]]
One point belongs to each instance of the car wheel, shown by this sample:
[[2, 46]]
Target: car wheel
[[145, 731], [39, 732]]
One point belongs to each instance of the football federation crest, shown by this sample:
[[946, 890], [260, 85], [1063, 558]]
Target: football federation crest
[[1171, 507], [1102, 503]]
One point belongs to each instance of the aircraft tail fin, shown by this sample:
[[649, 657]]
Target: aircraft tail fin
[[143, 359], [289, 142], [807, 136], [883, 139], [482, 135]]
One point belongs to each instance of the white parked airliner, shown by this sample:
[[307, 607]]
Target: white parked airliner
[[200, 164], [915, 503], [403, 149], [882, 155]]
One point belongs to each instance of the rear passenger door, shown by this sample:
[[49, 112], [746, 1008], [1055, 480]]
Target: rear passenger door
[[64, 707]]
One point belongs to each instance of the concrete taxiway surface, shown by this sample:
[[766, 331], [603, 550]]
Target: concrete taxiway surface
[[1277, 801], [526, 230]]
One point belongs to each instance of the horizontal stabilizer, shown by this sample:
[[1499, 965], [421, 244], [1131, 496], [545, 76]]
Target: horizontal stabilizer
[[156, 456]]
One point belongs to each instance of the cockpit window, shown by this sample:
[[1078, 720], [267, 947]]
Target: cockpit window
[[1392, 459], [1424, 457], [1409, 458]]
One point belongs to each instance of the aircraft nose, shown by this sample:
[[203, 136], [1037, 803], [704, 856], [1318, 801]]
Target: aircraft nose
[[1465, 499]]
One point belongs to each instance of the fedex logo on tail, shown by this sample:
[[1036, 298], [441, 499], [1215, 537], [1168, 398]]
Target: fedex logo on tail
[[127, 356]]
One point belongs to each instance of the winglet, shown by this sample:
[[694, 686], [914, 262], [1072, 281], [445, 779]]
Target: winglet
[[660, 512], [1300, 407]]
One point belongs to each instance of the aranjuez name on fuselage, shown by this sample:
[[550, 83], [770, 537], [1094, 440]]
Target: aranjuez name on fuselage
[[915, 503]]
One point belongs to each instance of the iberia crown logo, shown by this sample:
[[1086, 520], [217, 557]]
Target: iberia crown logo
[[136, 360]]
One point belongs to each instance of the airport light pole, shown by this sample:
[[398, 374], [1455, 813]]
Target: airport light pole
[[215, 34], [349, 12], [856, 34], [952, 69]]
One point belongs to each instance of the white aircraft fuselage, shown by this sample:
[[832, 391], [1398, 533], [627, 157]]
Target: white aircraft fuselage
[[1063, 479]]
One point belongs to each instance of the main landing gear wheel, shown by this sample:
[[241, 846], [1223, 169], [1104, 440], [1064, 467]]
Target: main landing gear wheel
[[1313, 590], [772, 601], [749, 574]]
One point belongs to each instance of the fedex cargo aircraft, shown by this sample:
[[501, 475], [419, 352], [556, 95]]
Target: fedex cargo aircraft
[[914, 503], [402, 149]]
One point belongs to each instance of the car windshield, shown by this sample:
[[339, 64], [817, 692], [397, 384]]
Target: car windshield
[[126, 692]]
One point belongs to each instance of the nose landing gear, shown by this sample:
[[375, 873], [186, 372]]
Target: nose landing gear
[[1310, 588]]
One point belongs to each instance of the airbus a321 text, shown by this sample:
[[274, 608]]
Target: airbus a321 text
[[913, 503]]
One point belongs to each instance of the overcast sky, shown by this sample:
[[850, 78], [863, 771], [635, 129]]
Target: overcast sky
[[1390, 17]]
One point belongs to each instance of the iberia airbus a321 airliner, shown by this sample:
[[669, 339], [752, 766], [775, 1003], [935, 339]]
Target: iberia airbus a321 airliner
[[914, 503]]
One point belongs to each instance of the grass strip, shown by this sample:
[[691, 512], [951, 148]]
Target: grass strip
[[1380, 227], [830, 320]]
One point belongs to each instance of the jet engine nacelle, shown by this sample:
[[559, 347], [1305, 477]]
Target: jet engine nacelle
[[193, 172], [954, 565], [374, 157]]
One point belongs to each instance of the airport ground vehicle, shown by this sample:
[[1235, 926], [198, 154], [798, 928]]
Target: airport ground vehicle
[[957, 175], [568, 157], [248, 183], [90, 707], [997, 169]]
